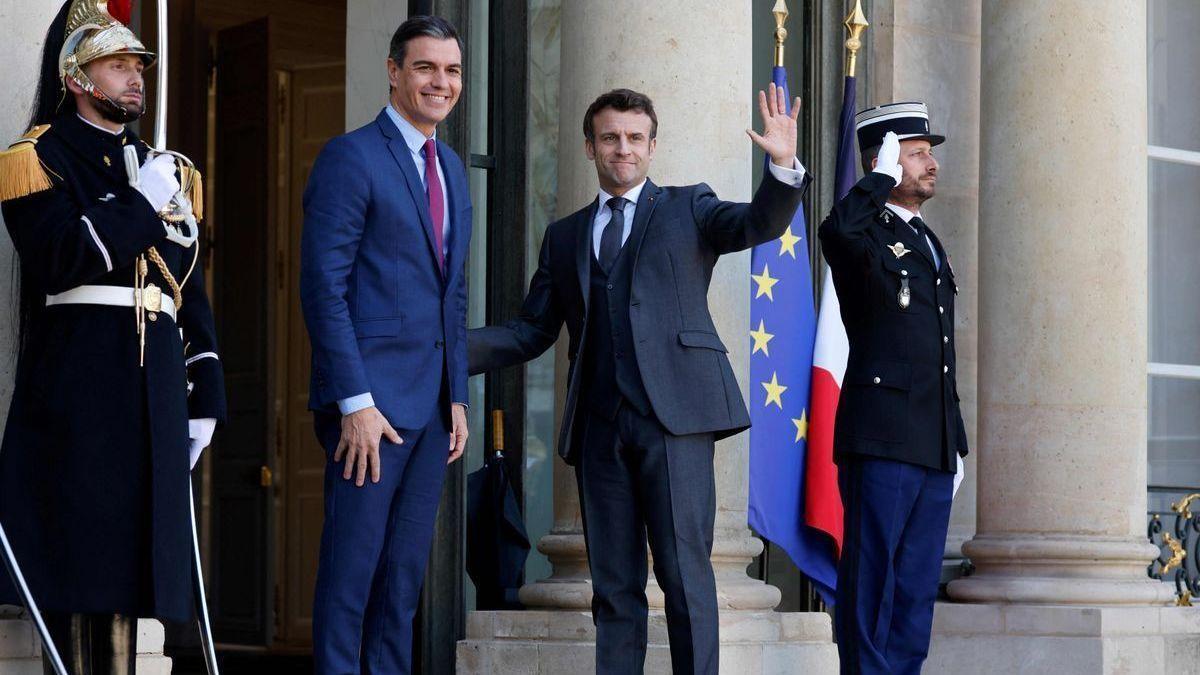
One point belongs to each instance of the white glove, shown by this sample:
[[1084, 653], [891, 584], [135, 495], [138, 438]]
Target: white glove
[[888, 160], [186, 232], [156, 181], [200, 432]]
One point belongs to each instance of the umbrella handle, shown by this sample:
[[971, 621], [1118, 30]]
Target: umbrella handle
[[498, 432]]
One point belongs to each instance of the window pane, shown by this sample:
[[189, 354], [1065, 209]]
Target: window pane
[[1174, 272], [1174, 448], [540, 441], [1174, 87]]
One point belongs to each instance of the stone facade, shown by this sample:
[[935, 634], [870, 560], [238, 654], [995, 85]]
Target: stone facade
[[1051, 322]]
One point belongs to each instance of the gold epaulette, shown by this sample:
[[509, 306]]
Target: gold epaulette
[[21, 172]]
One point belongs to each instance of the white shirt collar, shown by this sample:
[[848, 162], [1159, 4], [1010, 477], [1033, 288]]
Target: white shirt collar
[[632, 195], [903, 212], [413, 138], [92, 124]]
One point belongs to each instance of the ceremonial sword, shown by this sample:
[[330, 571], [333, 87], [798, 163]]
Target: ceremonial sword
[[207, 645]]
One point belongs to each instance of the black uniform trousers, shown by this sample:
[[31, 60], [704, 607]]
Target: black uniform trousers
[[638, 481], [93, 644]]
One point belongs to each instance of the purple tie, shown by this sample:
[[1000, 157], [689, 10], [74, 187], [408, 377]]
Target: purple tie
[[437, 200]]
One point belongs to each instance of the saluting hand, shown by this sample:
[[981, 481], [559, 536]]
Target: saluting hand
[[888, 160], [778, 138]]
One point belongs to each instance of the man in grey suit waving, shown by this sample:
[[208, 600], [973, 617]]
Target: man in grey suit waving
[[650, 387]]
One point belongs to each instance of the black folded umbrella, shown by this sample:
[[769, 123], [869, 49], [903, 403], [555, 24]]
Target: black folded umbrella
[[497, 544]]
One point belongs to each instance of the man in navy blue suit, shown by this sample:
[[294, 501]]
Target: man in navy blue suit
[[387, 227], [650, 389]]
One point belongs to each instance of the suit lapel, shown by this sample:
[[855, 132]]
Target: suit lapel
[[909, 238], [941, 250], [583, 249], [647, 200], [408, 168]]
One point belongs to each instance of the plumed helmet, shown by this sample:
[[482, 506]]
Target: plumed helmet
[[96, 29]]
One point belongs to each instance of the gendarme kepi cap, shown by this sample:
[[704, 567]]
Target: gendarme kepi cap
[[909, 120]]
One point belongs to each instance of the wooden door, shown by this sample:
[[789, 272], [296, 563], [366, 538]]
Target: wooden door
[[312, 111], [241, 576]]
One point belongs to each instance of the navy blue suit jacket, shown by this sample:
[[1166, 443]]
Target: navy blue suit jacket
[[381, 316], [677, 235]]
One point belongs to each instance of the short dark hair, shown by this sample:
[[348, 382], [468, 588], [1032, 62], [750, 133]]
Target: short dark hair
[[620, 100], [867, 156], [421, 26]]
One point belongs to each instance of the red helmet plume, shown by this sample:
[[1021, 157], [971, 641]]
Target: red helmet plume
[[121, 10]]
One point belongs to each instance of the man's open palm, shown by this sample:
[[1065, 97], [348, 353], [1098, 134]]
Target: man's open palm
[[778, 138]]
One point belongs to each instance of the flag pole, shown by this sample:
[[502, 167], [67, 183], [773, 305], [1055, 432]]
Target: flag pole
[[856, 24], [781, 14]]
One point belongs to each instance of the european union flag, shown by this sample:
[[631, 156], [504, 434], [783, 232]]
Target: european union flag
[[783, 329]]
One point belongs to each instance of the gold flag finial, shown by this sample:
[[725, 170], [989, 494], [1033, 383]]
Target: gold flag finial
[[856, 24], [781, 14]]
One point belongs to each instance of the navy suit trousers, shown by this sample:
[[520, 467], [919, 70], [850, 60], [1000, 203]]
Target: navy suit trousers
[[896, 516], [374, 549], [638, 482]]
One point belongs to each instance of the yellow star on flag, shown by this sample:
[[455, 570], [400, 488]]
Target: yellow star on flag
[[761, 338], [801, 426], [787, 243], [774, 391], [765, 283]]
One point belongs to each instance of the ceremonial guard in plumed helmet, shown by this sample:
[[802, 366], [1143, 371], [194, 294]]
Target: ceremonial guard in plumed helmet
[[118, 383]]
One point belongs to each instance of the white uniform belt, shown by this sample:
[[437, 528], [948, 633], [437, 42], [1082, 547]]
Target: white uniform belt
[[115, 296]]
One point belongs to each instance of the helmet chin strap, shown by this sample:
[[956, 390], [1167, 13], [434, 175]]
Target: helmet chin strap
[[109, 108]]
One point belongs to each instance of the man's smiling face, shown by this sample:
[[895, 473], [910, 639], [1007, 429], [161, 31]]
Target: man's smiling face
[[622, 148], [427, 85]]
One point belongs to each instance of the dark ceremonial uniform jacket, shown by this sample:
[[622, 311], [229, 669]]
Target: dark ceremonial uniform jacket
[[94, 465], [899, 399], [677, 236]]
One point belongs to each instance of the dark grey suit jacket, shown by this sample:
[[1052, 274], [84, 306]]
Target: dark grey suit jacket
[[677, 235]]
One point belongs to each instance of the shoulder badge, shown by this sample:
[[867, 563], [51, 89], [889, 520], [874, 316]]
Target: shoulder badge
[[21, 172]]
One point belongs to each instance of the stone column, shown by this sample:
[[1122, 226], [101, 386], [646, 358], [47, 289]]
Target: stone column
[[1063, 345], [693, 58], [928, 51], [369, 28], [1062, 353]]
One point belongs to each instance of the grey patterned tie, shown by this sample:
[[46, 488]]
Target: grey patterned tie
[[610, 241]]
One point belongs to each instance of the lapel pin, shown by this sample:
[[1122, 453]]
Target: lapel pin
[[886, 215]]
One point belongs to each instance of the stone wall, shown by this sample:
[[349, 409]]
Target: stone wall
[[25, 25]]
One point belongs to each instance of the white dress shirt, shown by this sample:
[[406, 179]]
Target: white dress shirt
[[907, 215], [793, 177]]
